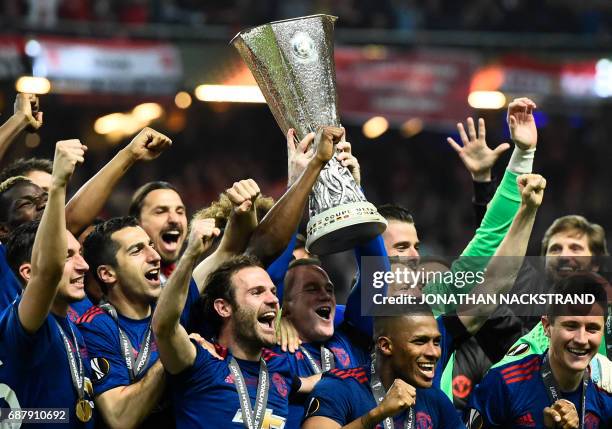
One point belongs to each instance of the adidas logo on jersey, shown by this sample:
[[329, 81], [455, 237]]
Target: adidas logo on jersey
[[270, 420]]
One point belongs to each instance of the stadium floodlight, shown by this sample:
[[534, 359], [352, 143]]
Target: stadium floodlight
[[33, 85], [230, 93], [487, 100]]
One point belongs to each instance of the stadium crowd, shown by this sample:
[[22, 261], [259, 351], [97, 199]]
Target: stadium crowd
[[226, 320]]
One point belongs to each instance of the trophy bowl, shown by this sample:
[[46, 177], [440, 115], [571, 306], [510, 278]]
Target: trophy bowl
[[293, 64]]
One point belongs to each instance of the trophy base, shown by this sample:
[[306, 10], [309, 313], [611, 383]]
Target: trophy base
[[343, 227]]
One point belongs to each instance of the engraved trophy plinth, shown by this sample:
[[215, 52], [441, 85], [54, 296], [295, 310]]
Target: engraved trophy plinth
[[293, 64]]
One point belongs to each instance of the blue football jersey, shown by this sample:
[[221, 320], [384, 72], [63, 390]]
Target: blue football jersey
[[205, 396], [514, 396], [35, 368], [345, 395], [10, 288]]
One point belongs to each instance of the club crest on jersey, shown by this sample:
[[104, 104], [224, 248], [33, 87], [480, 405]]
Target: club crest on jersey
[[100, 368], [423, 421], [591, 421], [342, 356], [519, 349], [462, 386], [280, 384], [270, 421]]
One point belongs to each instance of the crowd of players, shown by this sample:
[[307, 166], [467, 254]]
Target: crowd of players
[[150, 320]]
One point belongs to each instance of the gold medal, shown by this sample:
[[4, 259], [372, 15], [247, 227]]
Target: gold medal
[[84, 410]]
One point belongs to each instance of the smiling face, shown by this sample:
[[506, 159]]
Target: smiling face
[[256, 306], [138, 265], [72, 286], [23, 203], [401, 239], [574, 340], [414, 348], [567, 252], [310, 303], [163, 217]]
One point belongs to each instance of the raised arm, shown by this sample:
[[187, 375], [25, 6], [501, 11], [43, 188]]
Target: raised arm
[[50, 245], [85, 205], [275, 230], [504, 266], [25, 116], [240, 226], [176, 351]]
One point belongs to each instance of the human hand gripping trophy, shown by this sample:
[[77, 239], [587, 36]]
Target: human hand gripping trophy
[[293, 64]]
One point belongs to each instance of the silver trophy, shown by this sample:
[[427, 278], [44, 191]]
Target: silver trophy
[[293, 64]]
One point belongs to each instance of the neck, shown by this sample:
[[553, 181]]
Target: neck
[[130, 308], [239, 349], [567, 380], [385, 372], [59, 308]]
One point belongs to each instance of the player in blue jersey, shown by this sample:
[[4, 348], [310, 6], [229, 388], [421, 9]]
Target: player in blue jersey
[[553, 389], [42, 355], [397, 387], [128, 387], [22, 199]]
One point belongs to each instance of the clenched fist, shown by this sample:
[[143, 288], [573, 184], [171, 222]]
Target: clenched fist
[[531, 187], [201, 236], [68, 153], [400, 396], [325, 141], [27, 105], [148, 145], [243, 195]]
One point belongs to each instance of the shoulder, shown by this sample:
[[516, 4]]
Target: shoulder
[[517, 372], [359, 374], [529, 345], [94, 316], [95, 322]]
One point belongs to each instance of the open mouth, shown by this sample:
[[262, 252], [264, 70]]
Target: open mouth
[[171, 236], [324, 312], [267, 319], [578, 352], [152, 275], [427, 368]]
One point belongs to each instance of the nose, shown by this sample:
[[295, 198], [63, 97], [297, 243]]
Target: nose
[[152, 255], [413, 253], [580, 336], [432, 351], [81, 264], [271, 298], [41, 201]]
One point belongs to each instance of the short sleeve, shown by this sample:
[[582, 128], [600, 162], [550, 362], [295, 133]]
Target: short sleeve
[[330, 398], [29, 347], [487, 406], [105, 358], [199, 374]]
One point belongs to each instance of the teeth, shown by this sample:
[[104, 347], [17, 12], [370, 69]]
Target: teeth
[[578, 351]]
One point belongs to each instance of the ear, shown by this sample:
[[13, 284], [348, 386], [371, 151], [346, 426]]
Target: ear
[[546, 325], [385, 345], [222, 307], [25, 271], [4, 231], [107, 275]]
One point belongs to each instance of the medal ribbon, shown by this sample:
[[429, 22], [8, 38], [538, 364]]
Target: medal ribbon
[[135, 366], [553, 390], [77, 371], [251, 419], [327, 359], [378, 390]]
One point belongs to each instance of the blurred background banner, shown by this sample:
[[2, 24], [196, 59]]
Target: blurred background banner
[[432, 85], [98, 66]]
